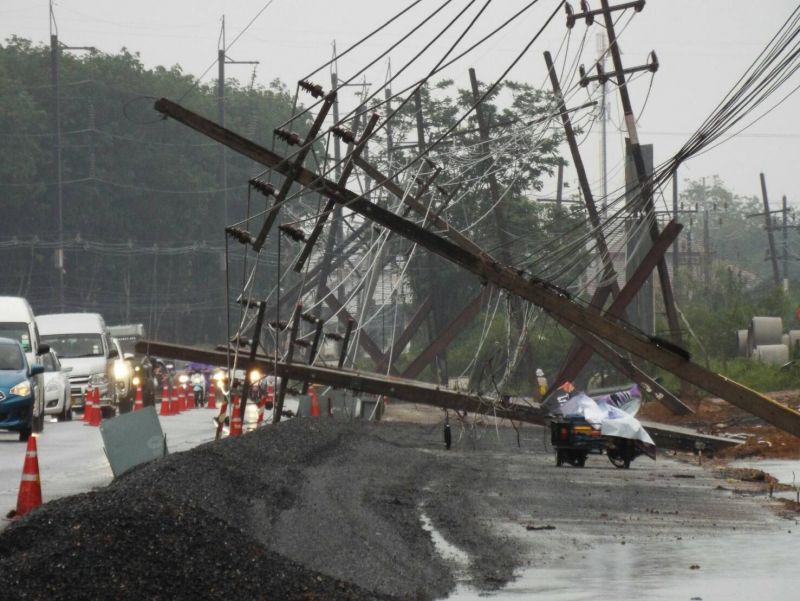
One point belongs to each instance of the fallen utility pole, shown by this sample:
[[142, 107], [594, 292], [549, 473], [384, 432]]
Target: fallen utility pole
[[369, 383], [658, 351], [667, 437]]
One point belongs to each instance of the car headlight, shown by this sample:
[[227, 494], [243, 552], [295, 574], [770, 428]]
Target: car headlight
[[183, 378], [98, 379], [136, 381], [121, 370], [255, 375], [21, 389]]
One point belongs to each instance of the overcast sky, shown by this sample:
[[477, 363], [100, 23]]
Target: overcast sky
[[703, 47]]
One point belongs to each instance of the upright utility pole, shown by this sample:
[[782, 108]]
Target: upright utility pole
[[773, 256], [59, 258], [785, 245], [675, 218], [55, 75], [644, 177], [222, 60]]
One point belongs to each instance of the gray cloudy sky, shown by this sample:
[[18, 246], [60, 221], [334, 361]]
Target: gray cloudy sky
[[703, 47]]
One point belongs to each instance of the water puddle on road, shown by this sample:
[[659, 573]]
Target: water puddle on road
[[444, 548], [787, 471], [746, 566]]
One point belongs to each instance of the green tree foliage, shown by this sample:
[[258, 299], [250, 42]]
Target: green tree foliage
[[135, 187]]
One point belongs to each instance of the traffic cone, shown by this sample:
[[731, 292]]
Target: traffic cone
[[262, 402], [96, 415], [181, 399], [139, 403], [236, 419], [212, 396], [88, 401], [164, 410], [30, 487], [314, 401]]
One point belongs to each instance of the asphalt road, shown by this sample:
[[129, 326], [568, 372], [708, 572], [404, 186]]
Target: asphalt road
[[72, 459]]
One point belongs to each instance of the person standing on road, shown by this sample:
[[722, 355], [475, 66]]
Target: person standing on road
[[541, 383]]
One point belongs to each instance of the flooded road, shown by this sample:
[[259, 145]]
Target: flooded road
[[739, 566]]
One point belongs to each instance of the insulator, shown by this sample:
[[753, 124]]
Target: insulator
[[278, 325], [291, 138], [333, 336], [242, 236], [303, 343], [308, 317], [583, 80], [570, 15], [585, 8], [265, 188], [652, 64], [343, 134], [295, 234], [248, 302], [241, 341], [312, 88]]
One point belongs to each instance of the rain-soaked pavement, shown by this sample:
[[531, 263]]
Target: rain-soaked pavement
[[743, 566]]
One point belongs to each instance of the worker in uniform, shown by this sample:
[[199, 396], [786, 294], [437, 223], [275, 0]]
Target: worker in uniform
[[541, 383]]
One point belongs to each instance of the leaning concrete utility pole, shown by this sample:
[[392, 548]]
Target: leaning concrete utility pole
[[661, 352]]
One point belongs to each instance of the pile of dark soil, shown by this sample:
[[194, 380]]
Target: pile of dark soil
[[224, 519]]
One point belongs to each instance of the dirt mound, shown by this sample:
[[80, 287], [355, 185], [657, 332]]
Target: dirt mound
[[227, 516], [117, 546], [715, 416]]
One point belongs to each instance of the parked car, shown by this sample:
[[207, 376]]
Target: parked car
[[18, 390], [17, 322], [57, 399]]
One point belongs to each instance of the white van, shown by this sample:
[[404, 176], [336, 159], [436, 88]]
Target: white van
[[18, 323], [82, 343]]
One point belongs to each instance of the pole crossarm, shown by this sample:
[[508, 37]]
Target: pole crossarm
[[295, 165], [348, 169], [658, 351]]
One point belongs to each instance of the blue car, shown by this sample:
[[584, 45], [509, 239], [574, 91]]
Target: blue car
[[17, 389]]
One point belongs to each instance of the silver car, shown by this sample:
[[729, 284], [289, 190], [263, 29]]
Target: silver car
[[57, 398]]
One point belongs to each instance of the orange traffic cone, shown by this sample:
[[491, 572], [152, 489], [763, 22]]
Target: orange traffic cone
[[181, 399], [30, 487], [212, 396], [236, 419], [88, 401], [262, 402], [314, 401], [139, 403], [164, 401], [96, 415]]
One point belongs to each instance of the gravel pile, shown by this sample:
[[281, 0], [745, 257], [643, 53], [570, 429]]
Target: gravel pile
[[306, 510]]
